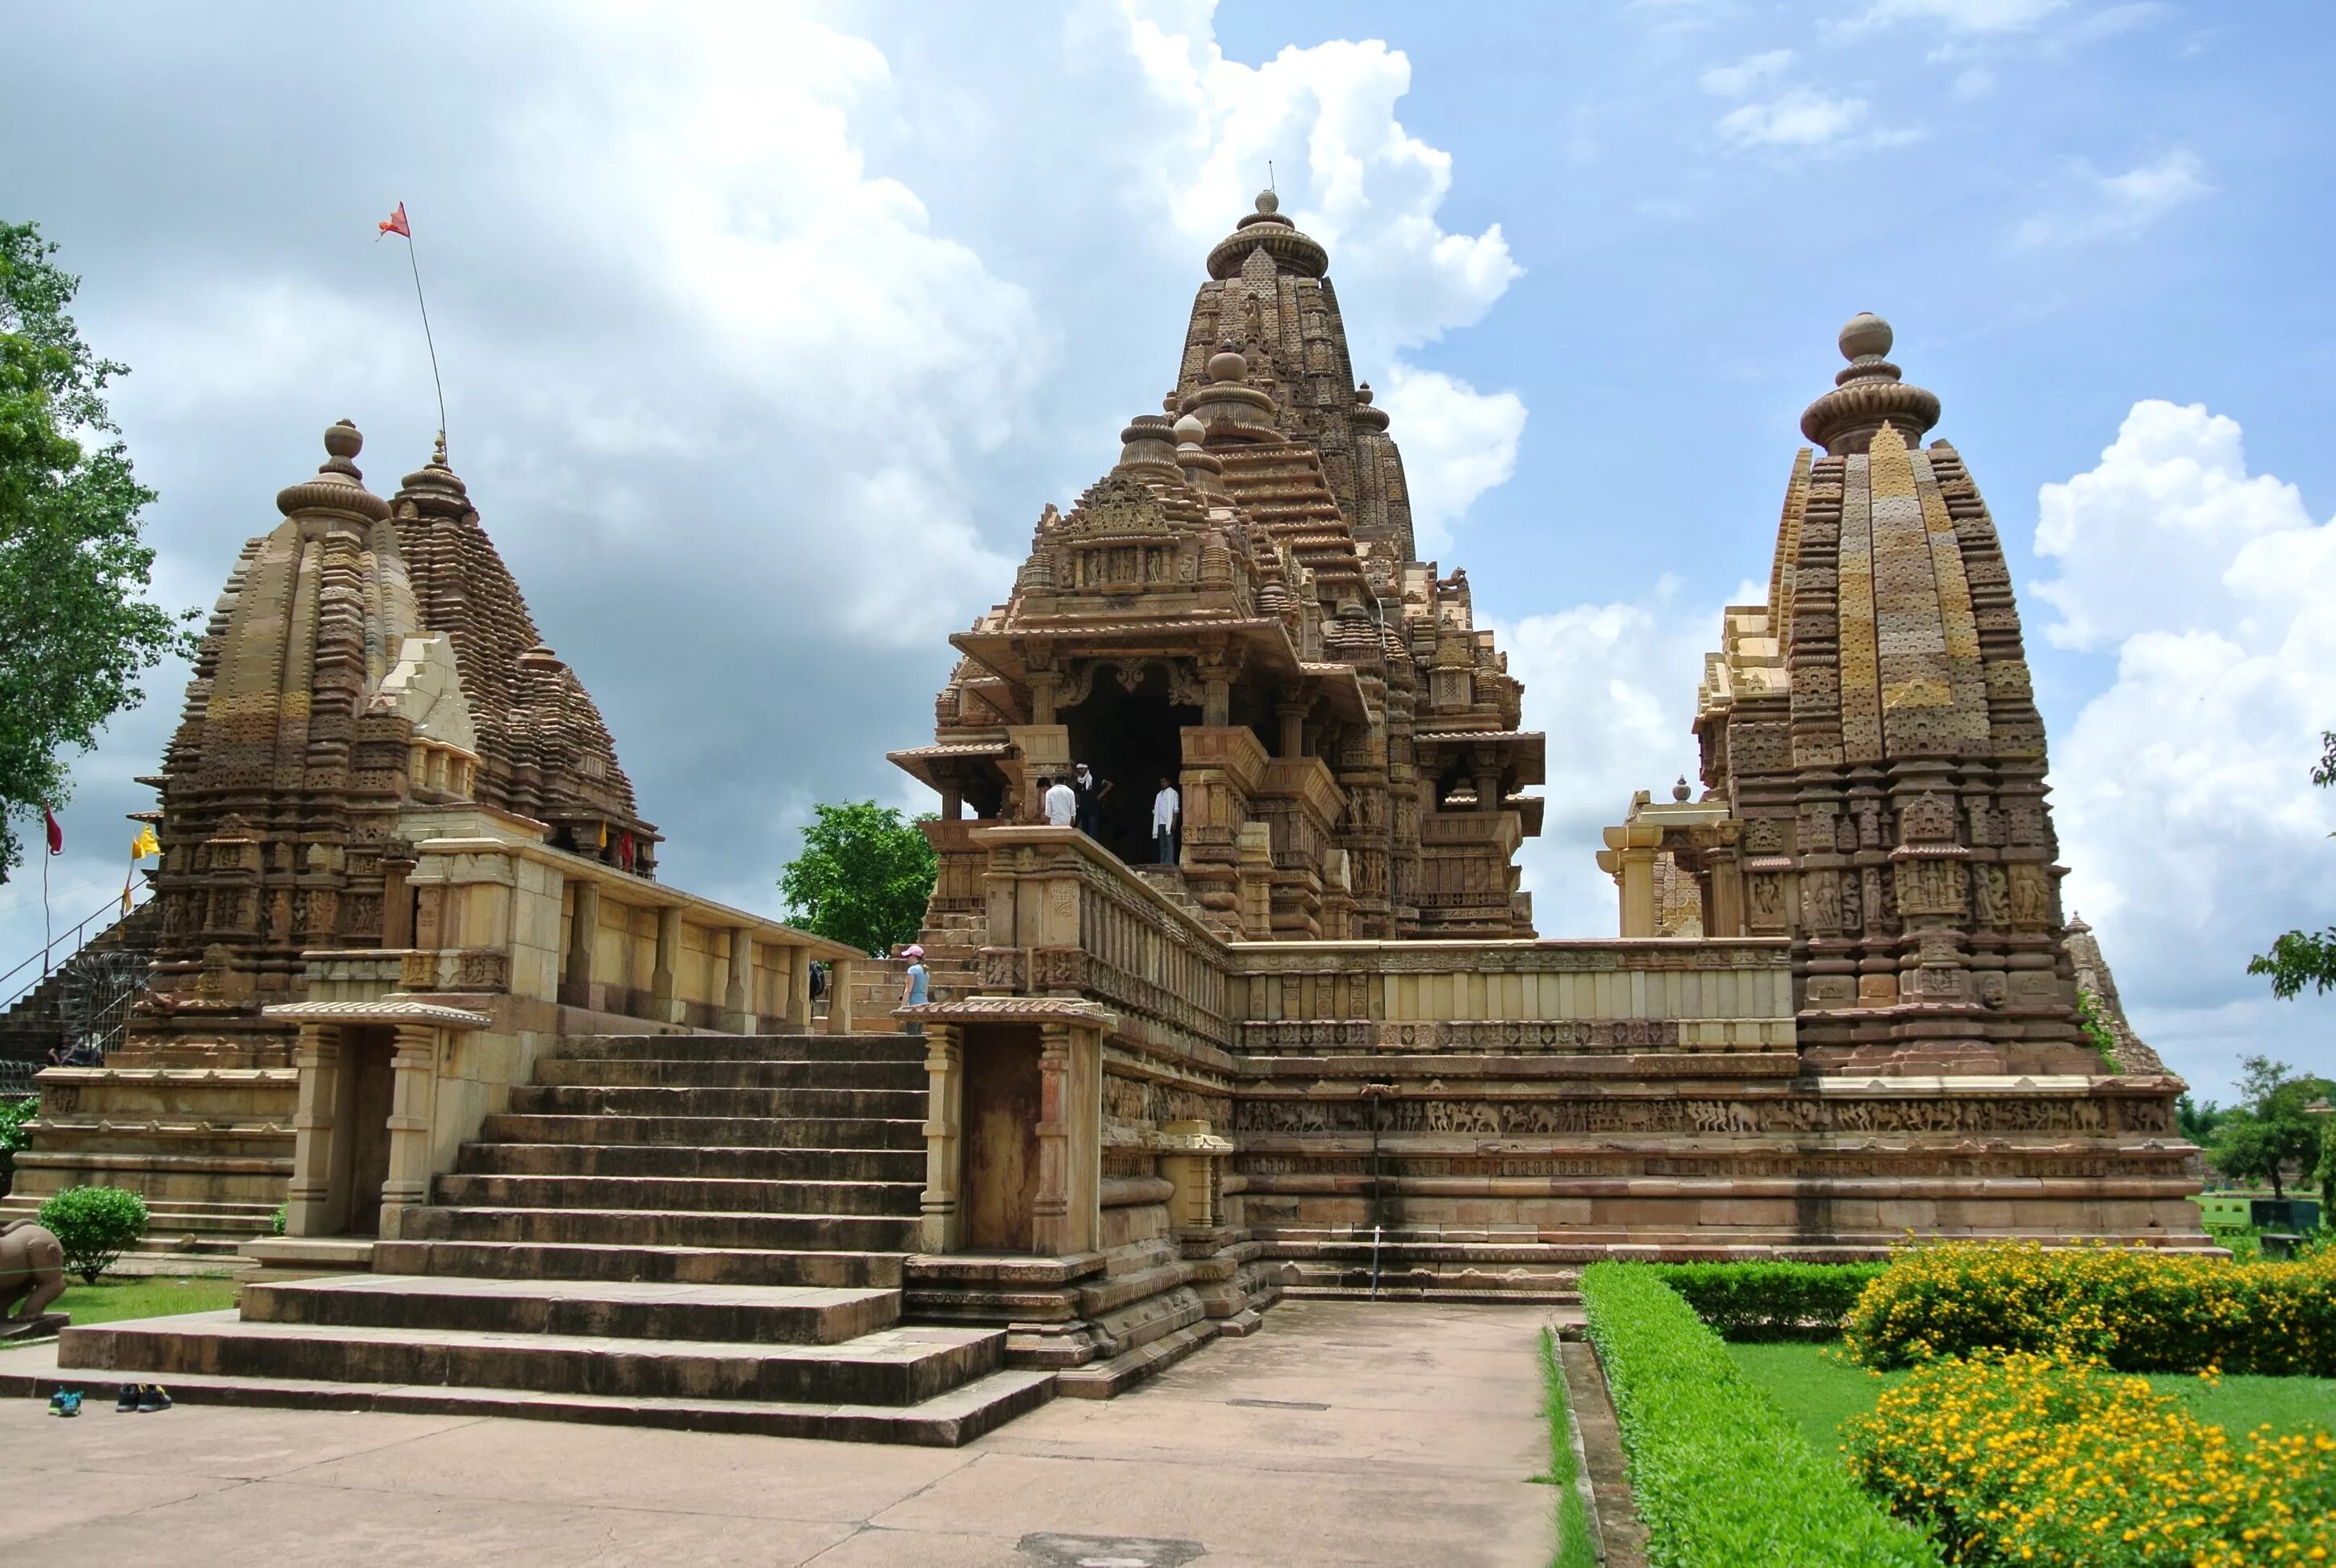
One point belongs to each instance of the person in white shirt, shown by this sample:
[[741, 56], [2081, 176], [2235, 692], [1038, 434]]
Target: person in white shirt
[[1062, 806], [1165, 807]]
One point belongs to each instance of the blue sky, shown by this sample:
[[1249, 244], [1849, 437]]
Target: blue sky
[[768, 333]]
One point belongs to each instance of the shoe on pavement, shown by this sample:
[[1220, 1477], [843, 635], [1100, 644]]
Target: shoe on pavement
[[152, 1398], [66, 1402], [128, 1403]]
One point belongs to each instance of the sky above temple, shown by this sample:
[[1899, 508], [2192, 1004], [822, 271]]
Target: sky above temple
[[766, 337]]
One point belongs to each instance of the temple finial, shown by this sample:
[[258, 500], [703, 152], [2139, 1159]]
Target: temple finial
[[1867, 394]]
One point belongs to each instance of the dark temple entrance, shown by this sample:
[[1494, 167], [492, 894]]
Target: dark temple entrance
[[1131, 735]]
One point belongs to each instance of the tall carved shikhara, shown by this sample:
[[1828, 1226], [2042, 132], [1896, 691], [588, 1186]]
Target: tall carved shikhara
[[1235, 607], [1876, 764]]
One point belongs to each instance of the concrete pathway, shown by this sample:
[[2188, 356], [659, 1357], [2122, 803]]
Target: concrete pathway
[[1342, 1433]]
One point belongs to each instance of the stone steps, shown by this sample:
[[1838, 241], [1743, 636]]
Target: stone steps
[[760, 1104], [728, 1194], [945, 1421], [775, 1073], [892, 1366], [674, 1264], [714, 1162], [699, 1132], [785, 1314], [647, 1228], [684, 1230]]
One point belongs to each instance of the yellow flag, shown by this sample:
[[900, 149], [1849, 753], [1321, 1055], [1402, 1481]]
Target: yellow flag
[[604, 835], [145, 843]]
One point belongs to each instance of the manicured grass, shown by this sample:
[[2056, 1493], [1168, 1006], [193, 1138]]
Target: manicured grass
[[1575, 1548], [1819, 1391], [110, 1299]]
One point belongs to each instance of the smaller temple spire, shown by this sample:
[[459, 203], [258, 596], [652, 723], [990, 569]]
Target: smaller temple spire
[[1867, 395], [1227, 406]]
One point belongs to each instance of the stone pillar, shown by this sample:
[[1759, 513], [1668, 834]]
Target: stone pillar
[[1195, 1169], [1727, 883], [308, 1203], [944, 1146], [1255, 870], [1044, 685], [839, 997], [798, 990], [1066, 1213], [1629, 856], [415, 1067], [1294, 729], [1485, 771], [738, 995], [665, 1001], [576, 982]]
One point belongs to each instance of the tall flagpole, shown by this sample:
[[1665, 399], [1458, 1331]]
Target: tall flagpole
[[401, 225]]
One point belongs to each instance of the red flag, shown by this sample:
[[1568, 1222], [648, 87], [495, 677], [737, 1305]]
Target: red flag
[[396, 223], [56, 833]]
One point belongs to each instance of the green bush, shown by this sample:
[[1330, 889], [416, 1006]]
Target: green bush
[[94, 1225], [282, 1217], [15, 1111], [1721, 1478], [1770, 1300], [2133, 1309]]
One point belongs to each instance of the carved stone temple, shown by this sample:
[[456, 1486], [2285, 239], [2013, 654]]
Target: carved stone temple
[[419, 983]]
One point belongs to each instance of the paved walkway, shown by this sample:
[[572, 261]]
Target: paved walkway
[[1342, 1433]]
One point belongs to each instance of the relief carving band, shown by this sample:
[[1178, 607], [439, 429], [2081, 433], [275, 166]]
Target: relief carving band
[[1518, 1117]]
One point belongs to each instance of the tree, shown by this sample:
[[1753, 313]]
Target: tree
[[2269, 1130], [2302, 959], [2198, 1121], [75, 628], [862, 879]]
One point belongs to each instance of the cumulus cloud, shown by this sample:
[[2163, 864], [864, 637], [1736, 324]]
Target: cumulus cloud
[[1735, 81], [1458, 443], [1800, 119], [2117, 206], [2184, 796], [1613, 687]]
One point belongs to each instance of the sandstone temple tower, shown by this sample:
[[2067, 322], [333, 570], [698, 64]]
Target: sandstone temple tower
[[1874, 764], [1235, 607]]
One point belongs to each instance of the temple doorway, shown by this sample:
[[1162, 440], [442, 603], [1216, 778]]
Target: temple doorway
[[1129, 729], [1000, 1188], [367, 1094]]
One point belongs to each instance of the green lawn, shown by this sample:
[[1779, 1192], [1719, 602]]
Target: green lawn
[[110, 1298], [1820, 1388]]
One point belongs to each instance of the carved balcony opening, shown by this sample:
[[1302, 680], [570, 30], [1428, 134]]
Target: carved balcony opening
[[1128, 727]]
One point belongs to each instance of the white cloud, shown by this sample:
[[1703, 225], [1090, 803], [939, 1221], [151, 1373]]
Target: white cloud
[[1735, 81], [1958, 16], [1458, 443], [2184, 796], [1799, 119], [1613, 687], [2118, 206]]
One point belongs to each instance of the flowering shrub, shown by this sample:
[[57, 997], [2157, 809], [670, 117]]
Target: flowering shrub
[[2025, 1458], [1719, 1475], [2129, 1307], [1769, 1301]]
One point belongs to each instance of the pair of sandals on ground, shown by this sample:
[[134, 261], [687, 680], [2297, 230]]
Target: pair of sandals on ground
[[137, 1398]]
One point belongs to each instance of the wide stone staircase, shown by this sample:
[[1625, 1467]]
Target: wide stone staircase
[[693, 1231]]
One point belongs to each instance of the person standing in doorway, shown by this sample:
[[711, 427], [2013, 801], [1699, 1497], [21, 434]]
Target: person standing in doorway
[[1090, 791], [918, 988], [1164, 808], [1062, 806]]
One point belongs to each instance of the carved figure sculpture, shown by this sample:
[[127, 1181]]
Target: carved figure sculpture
[[31, 1275]]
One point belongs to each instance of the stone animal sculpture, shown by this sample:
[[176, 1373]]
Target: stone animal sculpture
[[31, 1273]]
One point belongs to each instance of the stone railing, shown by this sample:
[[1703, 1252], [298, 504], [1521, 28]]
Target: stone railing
[[1590, 997]]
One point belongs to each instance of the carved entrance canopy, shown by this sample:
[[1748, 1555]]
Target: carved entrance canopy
[[1183, 679]]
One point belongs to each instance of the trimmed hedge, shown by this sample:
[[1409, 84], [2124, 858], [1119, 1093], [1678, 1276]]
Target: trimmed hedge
[[94, 1225], [2027, 1460], [16, 1110], [1770, 1300], [2131, 1308], [1721, 1478]]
